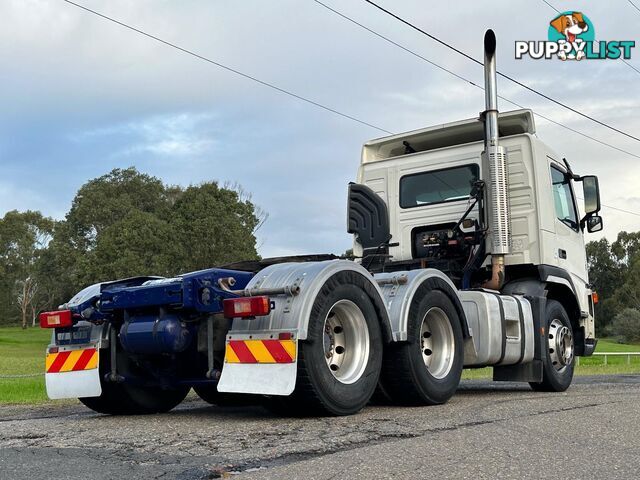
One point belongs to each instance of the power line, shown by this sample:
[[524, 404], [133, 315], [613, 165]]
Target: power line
[[460, 77], [629, 65], [229, 69], [299, 97], [576, 131], [621, 210], [554, 8], [387, 39], [615, 208], [623, 60], [511, 79], [466, 80]]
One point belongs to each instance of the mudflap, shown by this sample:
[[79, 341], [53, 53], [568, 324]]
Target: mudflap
[[72, 372], [259, 365]]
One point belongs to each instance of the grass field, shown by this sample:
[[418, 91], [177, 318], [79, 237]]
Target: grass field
[[22, 353], [589, 365]]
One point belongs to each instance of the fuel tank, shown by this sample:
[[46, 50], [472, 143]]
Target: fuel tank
[[152, 335]]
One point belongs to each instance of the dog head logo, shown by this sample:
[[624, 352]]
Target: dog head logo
[[570, 25], [574, 28]]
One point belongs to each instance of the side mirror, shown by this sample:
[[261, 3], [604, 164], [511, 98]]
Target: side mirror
[[594, 223], [591, 195]]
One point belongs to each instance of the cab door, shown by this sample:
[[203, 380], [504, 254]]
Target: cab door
[[570, 254]]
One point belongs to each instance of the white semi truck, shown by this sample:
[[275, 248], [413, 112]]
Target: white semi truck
[[468, 252]]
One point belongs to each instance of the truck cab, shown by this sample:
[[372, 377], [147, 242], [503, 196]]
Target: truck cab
[[427, 178]]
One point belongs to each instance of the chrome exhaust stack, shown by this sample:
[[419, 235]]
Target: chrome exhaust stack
[[495, 161]]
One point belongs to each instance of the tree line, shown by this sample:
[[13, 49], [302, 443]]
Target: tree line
[[128, 223], [614, 271], [122, 224]]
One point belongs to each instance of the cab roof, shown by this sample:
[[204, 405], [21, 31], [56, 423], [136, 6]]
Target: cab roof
[[446, 135]]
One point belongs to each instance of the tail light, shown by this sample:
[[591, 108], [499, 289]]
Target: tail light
[[595, 298], [244, 307], [59, 319]]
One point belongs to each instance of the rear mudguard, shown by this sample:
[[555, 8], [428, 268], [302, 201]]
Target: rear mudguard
[[400, 289], [290, 315]]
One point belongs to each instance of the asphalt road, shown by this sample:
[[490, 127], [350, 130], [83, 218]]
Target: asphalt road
[[487, 430]]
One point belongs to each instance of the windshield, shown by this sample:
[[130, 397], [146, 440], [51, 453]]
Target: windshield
[[437, 186], [84, 295]]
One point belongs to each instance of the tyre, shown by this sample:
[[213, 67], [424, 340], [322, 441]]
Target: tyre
[[112, 400], [339, 362], [124, 399], [558, 361], [426, 369], [146, 400]]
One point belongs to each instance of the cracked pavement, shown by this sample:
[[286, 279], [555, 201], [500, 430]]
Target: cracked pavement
[[485, 431]]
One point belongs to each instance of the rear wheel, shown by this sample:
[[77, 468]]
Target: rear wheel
[[339, 362], [125, 399], [112, 400], [558, 360], [426, 369], [145, 400]]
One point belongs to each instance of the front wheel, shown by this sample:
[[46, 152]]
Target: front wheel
[[426, 369], [559, 360]]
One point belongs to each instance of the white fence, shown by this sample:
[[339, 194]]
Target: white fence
[[612, 354]]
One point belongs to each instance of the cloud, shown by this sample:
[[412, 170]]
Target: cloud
[[83, 96], [174, 135]]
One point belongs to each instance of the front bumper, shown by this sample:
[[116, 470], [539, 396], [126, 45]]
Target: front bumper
[[589, 346]]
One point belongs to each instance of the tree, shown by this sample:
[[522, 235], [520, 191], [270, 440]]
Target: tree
[[127, 223], [626, 247], [122, 224], [24, 237], [106, 200], [27, 290], [214, 226], [139, 244], [606, 275]]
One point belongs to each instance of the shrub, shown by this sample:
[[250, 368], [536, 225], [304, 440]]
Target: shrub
[[626, 325]]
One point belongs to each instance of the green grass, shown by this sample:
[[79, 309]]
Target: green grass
[[22, 352], [615, 364], [588, 365], [611, 345], [477, 373]]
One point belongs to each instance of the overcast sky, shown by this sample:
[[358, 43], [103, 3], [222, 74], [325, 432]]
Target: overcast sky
[[81, 96]]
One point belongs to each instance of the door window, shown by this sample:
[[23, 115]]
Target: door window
[[563, 198]]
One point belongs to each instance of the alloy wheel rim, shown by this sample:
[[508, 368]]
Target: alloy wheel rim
[[560, 340], [346, 341], [437, 343]]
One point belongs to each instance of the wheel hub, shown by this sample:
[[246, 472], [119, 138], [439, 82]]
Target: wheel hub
[[437, 342], [346, 341], [560, 342]]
